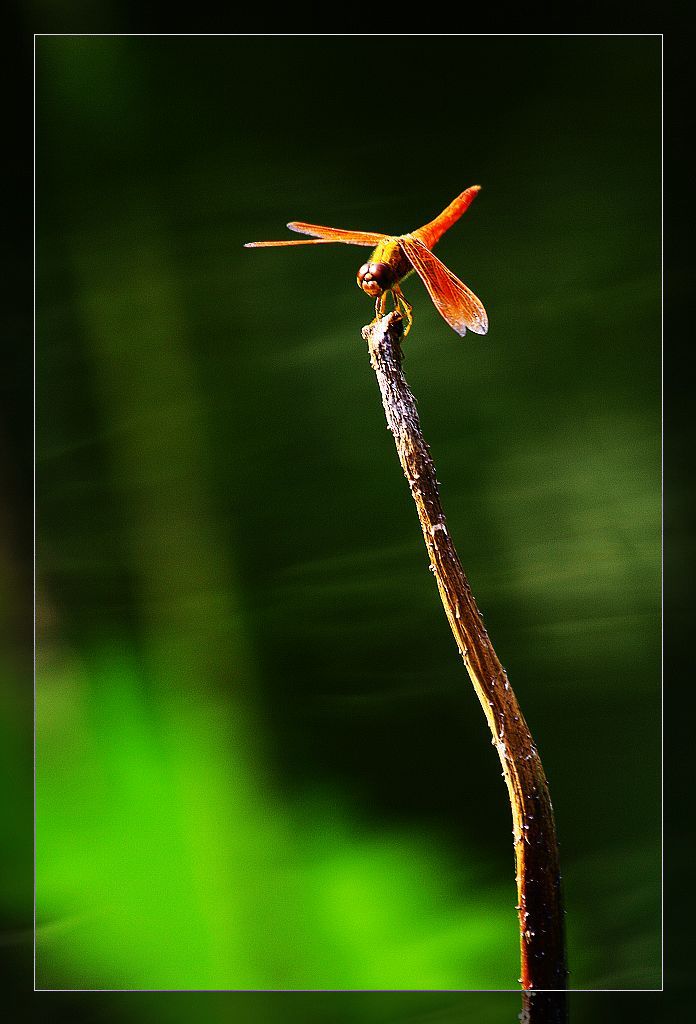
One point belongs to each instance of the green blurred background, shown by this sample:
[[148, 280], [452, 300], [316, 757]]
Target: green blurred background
[[260, 763]]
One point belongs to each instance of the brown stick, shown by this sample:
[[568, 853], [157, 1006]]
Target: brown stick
[[542, 941]]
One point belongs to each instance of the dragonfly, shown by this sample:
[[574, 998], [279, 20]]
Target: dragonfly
[[395, 257]]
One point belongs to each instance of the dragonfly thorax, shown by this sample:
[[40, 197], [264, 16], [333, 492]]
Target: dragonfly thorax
[[375, 278]]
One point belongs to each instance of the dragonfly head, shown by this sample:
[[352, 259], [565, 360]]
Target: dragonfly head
[[375, 278]]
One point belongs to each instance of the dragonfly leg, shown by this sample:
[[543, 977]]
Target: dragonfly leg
[[380, 305], [403, 307]]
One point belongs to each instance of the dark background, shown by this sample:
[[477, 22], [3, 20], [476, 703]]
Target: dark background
[[216, 488]]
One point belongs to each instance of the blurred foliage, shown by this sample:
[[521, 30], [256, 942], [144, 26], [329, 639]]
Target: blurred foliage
[[259, 760], [162, 865]]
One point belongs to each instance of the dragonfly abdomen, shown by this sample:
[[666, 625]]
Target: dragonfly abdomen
[[433, 231]]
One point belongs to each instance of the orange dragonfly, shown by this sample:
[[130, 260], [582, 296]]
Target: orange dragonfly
[[396, 256]]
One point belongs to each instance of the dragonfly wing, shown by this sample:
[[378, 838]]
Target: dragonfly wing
[[290, 241], [370, 238], [454, 301]]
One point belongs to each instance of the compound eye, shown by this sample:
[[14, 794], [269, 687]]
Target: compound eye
[[374, 278]]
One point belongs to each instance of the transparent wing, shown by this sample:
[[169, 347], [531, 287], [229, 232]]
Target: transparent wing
[[290, 241], [337, 234], [454, 301]]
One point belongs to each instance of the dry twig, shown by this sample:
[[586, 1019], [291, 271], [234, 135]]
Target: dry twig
[[542, 941]]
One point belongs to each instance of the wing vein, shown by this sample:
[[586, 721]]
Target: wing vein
[[337, 234], [456, 303]]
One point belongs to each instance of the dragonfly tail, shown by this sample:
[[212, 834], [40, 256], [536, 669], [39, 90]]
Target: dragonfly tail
[[433, 231]]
